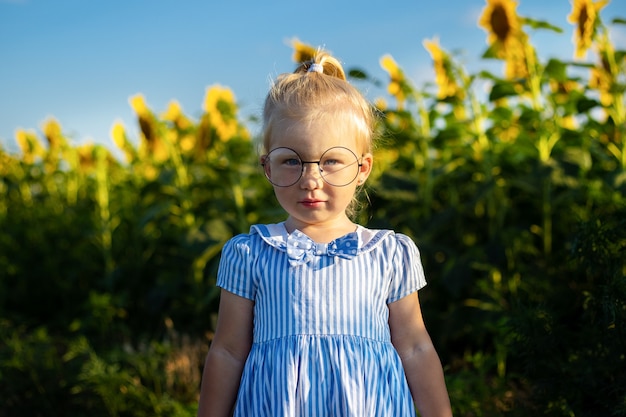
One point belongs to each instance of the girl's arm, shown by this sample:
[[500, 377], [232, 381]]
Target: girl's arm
[[227, 356], [420, 360]]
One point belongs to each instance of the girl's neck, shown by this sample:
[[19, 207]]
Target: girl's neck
[[324, 232]]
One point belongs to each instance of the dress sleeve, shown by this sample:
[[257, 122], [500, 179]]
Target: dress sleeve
[[235, 269], [407, 273]]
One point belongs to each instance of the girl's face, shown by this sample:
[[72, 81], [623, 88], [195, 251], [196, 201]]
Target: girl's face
[[311, 202]]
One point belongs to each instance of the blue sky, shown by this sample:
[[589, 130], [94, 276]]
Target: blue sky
[[79, 61]]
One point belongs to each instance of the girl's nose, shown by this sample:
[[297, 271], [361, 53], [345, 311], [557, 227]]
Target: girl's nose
[[311, 177]]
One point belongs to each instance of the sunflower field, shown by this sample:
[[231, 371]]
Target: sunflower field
[[516, 198]]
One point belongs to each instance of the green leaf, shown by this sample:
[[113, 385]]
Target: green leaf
[[556, 69], [502, 89], [487, 75], [540, 24], [580, 64], [501, 113], [490, 53], [585, 104], [358, 74]]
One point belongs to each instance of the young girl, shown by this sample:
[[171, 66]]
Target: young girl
[[319, 316]]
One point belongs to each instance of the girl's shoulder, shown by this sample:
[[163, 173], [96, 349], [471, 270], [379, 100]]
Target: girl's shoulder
[[372, 239], [258, 237]]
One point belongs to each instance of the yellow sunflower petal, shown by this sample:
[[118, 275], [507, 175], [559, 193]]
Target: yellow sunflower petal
[[173, 111], [118, 134], [138, 104], [392, 68], [302, 52]]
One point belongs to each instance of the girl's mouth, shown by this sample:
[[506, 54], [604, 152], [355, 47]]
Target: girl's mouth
[[311, 202]]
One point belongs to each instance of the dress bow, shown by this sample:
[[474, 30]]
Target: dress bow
[[301, 249]]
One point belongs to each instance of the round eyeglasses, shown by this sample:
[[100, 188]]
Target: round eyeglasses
[[338, 166]]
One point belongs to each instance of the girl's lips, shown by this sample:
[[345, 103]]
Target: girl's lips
[[310, 202]]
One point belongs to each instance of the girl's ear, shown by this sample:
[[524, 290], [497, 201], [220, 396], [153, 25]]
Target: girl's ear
[[366, 167]]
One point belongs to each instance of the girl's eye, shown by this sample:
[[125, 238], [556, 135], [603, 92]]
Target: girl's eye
[[292, 162]]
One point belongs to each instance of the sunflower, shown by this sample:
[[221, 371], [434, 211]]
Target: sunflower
[[173, 112], [6, 165], [302, 52], [221, 109], [444, 72], [585, 16], [380, 104], [138, 104], [600, 79], [86, 160], [397, 83], [562, 90], [182, 124], [52, 131], [32, 149], [501, 21], [151, 143], [118, 134], [507, 132]]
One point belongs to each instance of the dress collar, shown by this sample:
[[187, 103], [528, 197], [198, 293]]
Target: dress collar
[[301, 249]]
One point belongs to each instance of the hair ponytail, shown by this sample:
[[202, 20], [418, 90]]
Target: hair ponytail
[[323, 63]]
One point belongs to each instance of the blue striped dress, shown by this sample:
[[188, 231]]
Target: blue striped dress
[[321, 341]]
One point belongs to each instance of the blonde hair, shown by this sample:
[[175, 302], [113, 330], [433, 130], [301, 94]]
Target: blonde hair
[[318, 89]]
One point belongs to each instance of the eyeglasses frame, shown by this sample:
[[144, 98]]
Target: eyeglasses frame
[[319, 167]]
